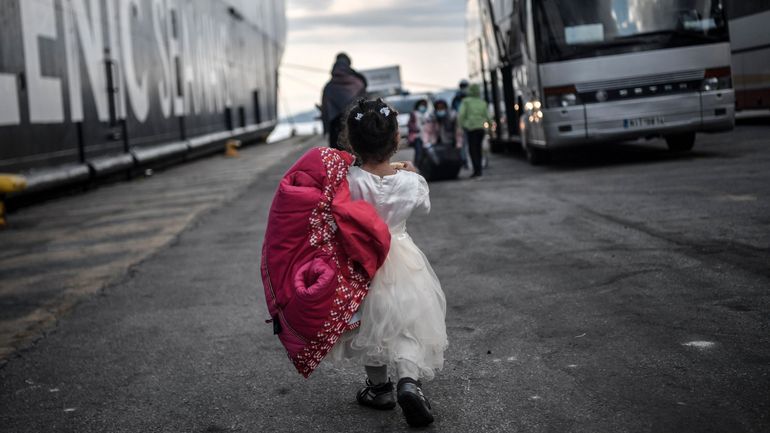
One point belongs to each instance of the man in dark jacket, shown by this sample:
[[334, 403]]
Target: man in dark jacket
[[344, 87], [461, 93]]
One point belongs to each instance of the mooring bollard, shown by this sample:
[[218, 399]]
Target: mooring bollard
[[231, 148], [9, 183]]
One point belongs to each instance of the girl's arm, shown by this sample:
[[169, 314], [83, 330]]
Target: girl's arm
[[423, 195], [404, 165]]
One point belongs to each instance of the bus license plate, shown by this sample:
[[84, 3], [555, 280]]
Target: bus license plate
[[643, 122]]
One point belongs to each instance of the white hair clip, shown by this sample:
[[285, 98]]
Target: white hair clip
[[385, 111], [359, 116]]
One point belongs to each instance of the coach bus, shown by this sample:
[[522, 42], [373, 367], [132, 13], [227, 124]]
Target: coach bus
[[750, 39], [563, 73]]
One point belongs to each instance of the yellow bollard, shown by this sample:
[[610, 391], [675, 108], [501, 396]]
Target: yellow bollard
[[231, 148], [9, 183]]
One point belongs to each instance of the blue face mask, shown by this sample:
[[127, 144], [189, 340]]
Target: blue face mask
[[441, 113], [422, 109]]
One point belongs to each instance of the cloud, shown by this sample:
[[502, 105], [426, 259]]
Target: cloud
[[380, 35], [425, 37], [309, 4], [395, 19]]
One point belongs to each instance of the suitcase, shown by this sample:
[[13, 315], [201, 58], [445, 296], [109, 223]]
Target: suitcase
[[440, 162]]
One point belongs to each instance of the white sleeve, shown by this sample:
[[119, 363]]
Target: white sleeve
[[423, 195]]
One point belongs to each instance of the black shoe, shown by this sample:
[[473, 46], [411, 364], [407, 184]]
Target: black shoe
[[415, 406], [377, 396]]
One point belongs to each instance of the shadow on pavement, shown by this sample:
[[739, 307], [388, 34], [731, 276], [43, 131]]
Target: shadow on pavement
[[758, 120], [615, 154]]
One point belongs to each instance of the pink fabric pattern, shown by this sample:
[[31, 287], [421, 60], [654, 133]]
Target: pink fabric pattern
[[319, 254]]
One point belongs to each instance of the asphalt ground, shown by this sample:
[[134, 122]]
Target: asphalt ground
[[619, 289], [56, 253]]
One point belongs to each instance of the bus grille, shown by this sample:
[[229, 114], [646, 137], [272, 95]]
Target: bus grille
[[640, 81]]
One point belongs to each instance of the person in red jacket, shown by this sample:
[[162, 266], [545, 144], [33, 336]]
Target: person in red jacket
[[402, 319]]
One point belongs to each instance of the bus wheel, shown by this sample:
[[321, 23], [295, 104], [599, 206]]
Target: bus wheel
[[534, 155], [681, 142]]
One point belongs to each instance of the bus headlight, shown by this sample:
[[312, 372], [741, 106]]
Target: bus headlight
[[565, 96], [716, 79], [566, 100], [534, 111]]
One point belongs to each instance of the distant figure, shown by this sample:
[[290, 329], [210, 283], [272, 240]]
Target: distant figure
[[473, 118], [441, 127], [461, 93], [442, 144], [403, 330], [415, 128], [345, 86]]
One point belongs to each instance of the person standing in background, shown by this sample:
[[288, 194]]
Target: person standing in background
[[441, 128], [417, 119], [345, 86], [461, 93], [473, 118]]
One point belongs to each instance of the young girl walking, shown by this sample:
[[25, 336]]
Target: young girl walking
[[402, 331]]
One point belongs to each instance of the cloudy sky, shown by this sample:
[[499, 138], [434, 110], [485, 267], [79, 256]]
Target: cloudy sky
[[425, 37]]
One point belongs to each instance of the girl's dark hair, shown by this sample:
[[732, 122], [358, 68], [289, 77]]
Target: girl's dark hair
[[419, 102], [371, 130]]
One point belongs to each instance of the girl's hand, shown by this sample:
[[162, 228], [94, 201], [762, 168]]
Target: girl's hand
[[404, 165]]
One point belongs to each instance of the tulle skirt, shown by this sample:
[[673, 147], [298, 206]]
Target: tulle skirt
[[402, 316]]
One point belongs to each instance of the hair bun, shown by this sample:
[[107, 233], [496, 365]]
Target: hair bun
[[375, 122], [371, 129]]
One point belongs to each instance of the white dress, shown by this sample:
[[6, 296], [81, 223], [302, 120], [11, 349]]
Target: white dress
[[403, 315]]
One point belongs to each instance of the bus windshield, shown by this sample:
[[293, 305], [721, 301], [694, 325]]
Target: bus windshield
[[568, 29]]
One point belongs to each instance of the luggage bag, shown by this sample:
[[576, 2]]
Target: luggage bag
[[440, 162]]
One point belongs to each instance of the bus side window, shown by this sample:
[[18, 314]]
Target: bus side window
[[524, 26], [529, 28], [737, 9], [514, 42], [514, 35]]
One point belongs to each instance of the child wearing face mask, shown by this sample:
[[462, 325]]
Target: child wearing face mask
[[417, 119], [440, 128]]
